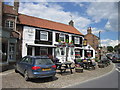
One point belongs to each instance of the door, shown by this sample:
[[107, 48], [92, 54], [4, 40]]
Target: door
[[21, 65]]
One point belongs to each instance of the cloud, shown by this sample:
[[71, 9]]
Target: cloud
[[53, 12], [109, 42], [104, 10]]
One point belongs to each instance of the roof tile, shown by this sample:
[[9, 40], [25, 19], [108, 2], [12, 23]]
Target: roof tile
[[42, 23]]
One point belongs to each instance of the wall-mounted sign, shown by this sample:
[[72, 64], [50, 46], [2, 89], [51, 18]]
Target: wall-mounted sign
[[85, 42]]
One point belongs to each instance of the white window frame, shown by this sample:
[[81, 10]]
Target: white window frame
[[58, 51], [44, 33], [9, 24], [77, 40], [11, 51], [62, 36], [63, 48]]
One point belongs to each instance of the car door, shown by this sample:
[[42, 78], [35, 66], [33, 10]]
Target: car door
[[21, 65]]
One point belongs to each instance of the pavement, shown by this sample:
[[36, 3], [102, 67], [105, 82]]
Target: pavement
[[10, 79]]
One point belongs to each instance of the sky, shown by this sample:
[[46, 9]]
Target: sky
[[100, 16]]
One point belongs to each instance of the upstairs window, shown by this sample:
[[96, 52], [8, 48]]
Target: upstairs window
[[43, 35], [9, 24], [77, 40], [62, 37]]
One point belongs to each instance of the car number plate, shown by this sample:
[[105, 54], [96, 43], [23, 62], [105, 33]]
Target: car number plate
[[46, 69]]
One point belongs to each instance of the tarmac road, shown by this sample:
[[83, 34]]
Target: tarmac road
[[110, 80]]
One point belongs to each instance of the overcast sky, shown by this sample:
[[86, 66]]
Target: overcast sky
[[101, 16]]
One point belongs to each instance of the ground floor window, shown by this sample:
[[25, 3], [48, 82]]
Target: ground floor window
[[78, 53], [12, 51], [62, 50], [88, 53], [43, 51]]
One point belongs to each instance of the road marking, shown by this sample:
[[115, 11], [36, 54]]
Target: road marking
[[6, 73], [117, 70], [92, 78]]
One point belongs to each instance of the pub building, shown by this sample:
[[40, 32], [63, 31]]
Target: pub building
[[34, 36]]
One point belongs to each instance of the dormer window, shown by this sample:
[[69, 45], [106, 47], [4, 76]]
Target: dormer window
[[43, 35], [77, 40], [9, 24]]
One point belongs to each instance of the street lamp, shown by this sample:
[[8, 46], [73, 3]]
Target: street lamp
[[99, 45]]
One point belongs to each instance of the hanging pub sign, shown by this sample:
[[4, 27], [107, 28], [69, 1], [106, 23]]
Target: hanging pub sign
[[85, 42]]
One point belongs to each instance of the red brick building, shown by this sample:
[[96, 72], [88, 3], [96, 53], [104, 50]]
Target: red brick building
[[92, 40]]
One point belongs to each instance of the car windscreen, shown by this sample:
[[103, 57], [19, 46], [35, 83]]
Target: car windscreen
[[43, 61]]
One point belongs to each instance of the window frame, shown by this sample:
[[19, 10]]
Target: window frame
[[11, 51], [76, 40], [9, 24], [44, 33], [63, 36]]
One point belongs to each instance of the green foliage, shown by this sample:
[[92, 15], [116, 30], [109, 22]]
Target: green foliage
[[110, 48], [71, 41], [96, 59], [59, 40], [67, 41], [79, 60], [116, 48]]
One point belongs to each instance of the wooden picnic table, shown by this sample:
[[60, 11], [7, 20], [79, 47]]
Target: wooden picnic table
[[64, 66]]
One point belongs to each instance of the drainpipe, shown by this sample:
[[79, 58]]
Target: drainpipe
[[15, 28]]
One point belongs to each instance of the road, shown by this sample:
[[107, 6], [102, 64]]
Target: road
[[110, 80]]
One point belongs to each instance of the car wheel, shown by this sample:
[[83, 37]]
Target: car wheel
[[26, 76]]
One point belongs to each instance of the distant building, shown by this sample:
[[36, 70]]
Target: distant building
[[93, 40]]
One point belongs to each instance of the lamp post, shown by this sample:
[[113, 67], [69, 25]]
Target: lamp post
[[99, 45]]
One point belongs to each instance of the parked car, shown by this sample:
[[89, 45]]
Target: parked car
[[36, 67], [109, 56], [116, 58]]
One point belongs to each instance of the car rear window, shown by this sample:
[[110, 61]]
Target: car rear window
[[43, 61]]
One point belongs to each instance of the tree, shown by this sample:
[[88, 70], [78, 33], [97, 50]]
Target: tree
[[109, 48], [116, 48]]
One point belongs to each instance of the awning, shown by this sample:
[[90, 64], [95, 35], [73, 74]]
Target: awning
[[40, 45]]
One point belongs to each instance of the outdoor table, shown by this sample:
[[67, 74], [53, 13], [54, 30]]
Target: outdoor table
[[63, 66]]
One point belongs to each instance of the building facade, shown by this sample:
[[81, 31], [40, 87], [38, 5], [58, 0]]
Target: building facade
[[9, 35], [92, 40], [26, 35]]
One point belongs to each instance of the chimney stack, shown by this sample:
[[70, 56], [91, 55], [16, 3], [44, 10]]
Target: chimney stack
[[16, 5], [89, 31], [71, 23]]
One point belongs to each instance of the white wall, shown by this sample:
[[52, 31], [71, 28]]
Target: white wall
[[28, 37]]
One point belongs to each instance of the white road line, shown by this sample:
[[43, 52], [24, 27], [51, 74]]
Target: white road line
[[92, 78], [117, 70], [6, 73]]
